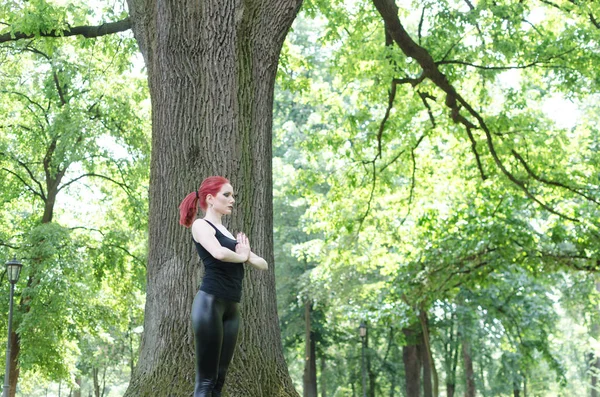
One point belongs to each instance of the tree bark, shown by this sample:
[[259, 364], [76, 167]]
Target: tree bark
[[310, 362], [211, 70], [468, 367], [412, 365]]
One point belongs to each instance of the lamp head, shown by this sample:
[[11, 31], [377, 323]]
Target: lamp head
[[362, 329], [13, 270]]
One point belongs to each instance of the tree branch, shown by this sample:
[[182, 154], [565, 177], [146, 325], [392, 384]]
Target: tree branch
[[393, 160], [391, 98], [32, 190], [91, 174], [424, 96], [549, 182], [136, 258], [362, 219], [85, 31], [474, 150], [413, 178], [470, 5], [594, 21], [552, 4], [389, 12], [13, 247], [61, 95], [421, 24], [511, 67], [30, 173]]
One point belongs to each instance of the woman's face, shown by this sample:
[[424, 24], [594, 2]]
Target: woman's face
[[223, 201]]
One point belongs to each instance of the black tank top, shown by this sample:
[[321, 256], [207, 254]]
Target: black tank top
[[221, 279]]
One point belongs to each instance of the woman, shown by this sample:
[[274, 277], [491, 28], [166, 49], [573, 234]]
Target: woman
[[215, 314]]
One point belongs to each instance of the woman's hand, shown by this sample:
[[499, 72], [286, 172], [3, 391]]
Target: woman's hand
[[243, 246]]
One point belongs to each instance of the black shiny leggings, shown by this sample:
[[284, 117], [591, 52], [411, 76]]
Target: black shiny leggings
[[215, 322]]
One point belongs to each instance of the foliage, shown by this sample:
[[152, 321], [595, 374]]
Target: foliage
[[409, 209], [74, 154]]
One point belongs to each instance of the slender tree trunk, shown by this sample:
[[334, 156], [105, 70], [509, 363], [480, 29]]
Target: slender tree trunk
[[594, 361], [483, 389], [427, 384], [451, 346], [516, 387], [432, 387], [13, 371], [323, 376], [96, 382], [211, 71], [594, 372], [370, 373], [450, 389], [103, 381], [412, 365], [310, 362], [77, 391], [468, 367]]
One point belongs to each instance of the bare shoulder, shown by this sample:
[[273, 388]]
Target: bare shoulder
[[201, 228]]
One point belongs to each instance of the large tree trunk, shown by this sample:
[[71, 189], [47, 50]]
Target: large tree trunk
[[211, 71], [310, 362]]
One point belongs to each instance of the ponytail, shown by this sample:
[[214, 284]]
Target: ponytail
[[188, 209]]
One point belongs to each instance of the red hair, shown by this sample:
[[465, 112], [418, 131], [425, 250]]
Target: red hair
[[188, 209]]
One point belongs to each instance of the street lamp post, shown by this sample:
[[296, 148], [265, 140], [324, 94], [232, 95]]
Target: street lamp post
[[13, 270], [363, 334]]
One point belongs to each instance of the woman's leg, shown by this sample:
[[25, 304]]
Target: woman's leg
[[231, 325], [207, 323]]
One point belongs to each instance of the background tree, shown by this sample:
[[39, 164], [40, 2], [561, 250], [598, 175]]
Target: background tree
[[62, 118]]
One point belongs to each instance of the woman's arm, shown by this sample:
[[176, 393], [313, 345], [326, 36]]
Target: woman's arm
[[205, 235], [257, 262]]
